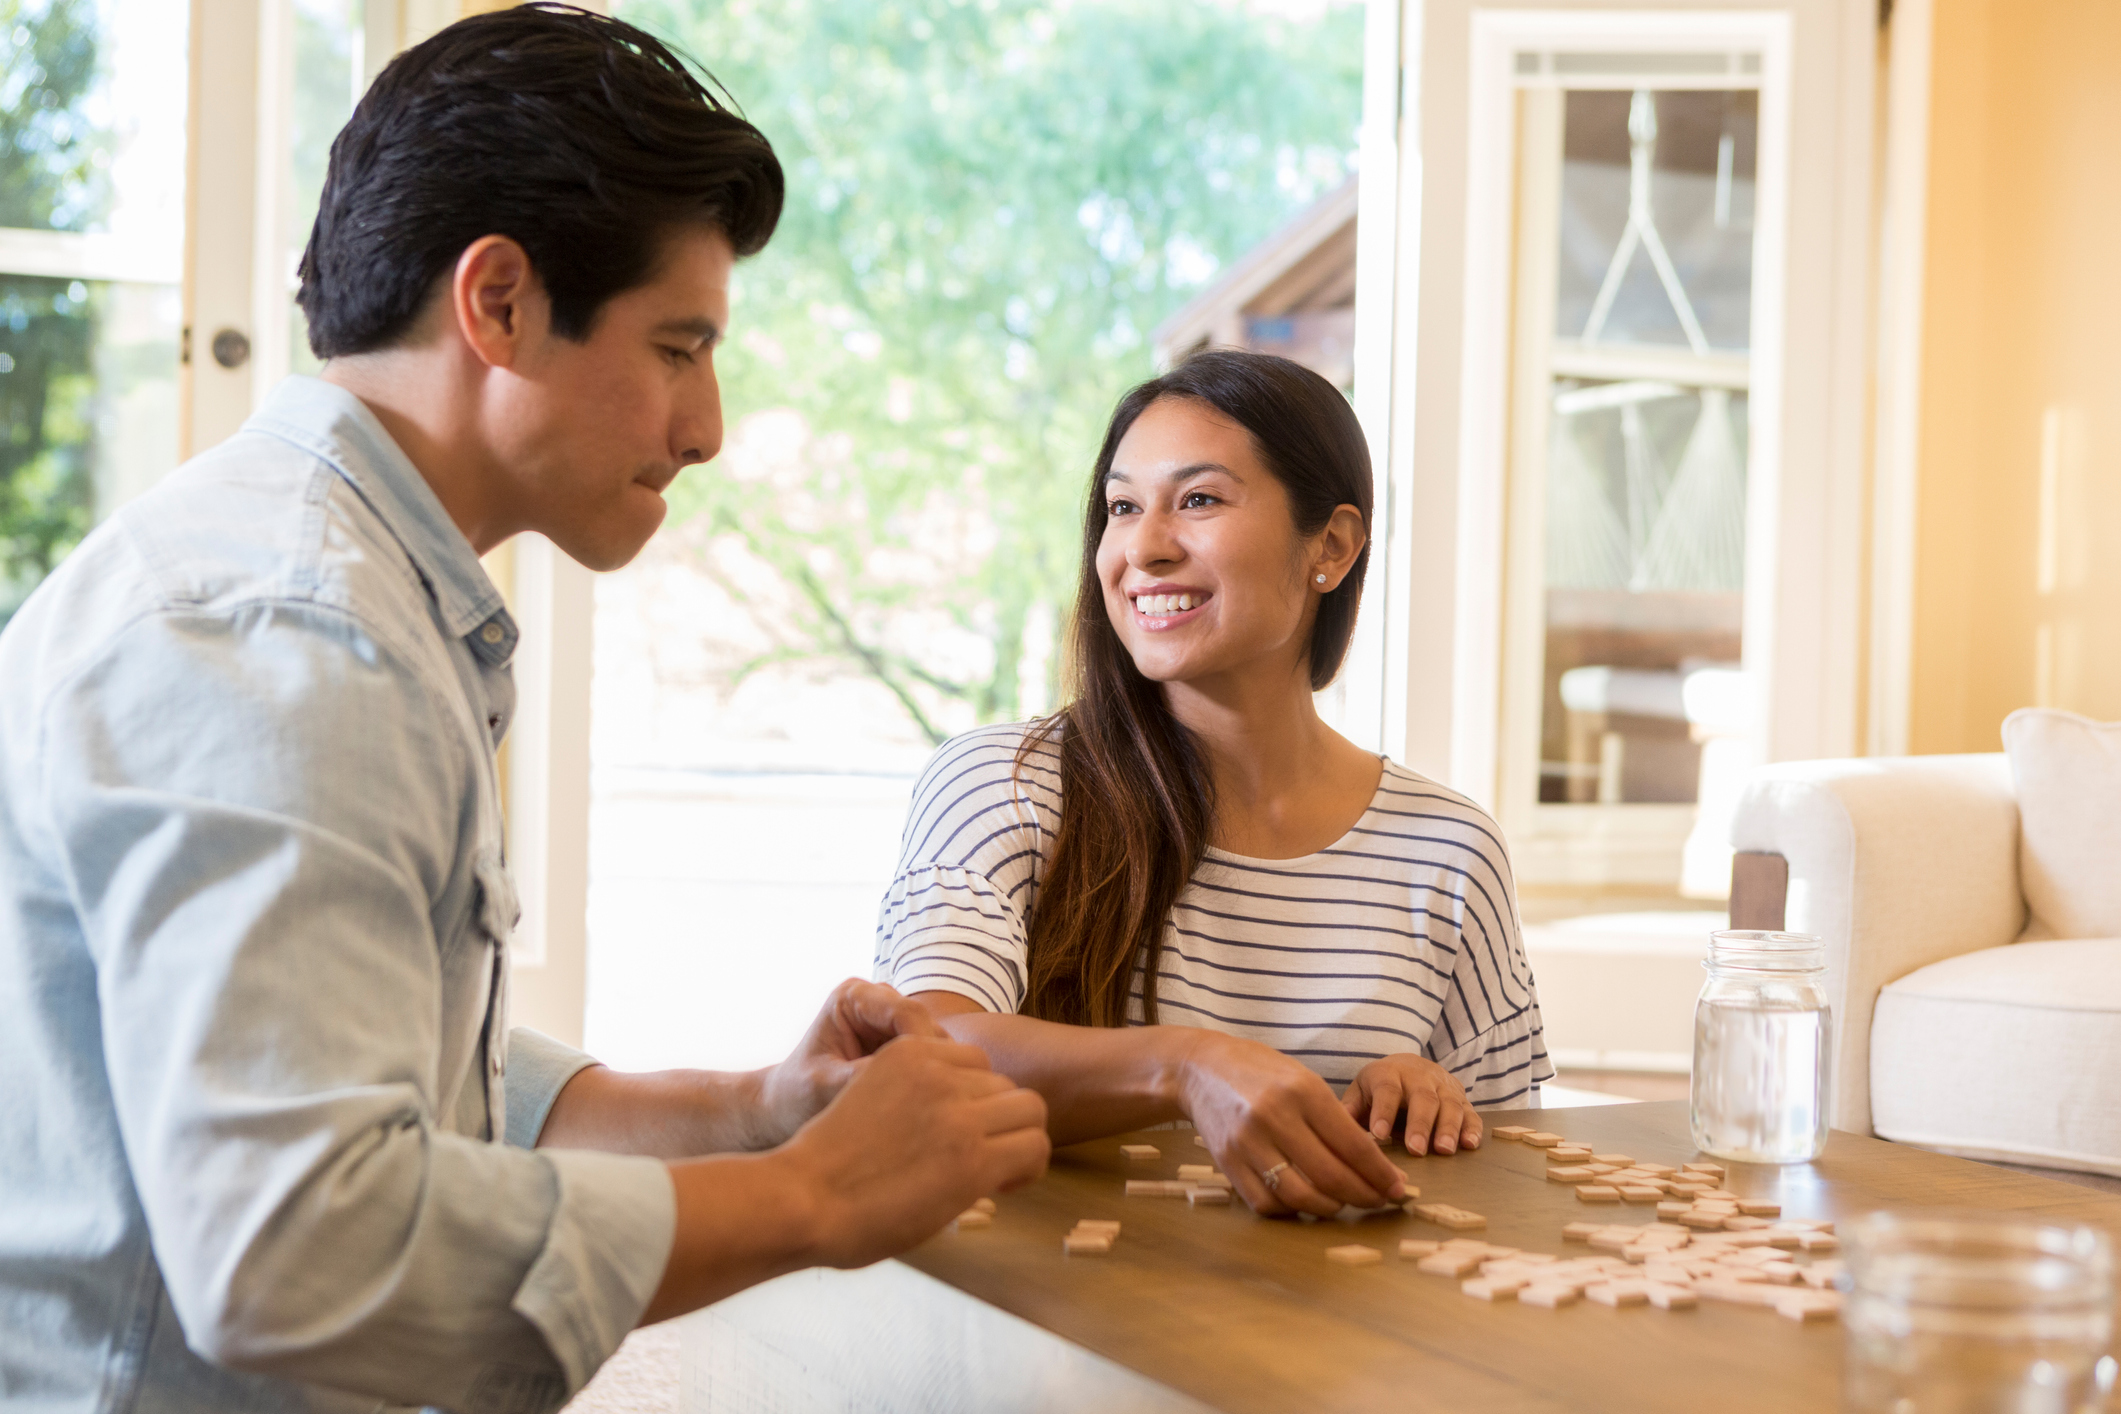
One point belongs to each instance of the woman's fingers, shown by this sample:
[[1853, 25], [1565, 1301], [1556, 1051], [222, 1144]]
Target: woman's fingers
[[1295, 1189], [1424, 1104], [1256, 1192], [1450, 1120], [1386, 1093], [1338, 1157], [1472, 1131]]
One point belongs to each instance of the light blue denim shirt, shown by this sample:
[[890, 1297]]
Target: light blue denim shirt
[[253, 954]]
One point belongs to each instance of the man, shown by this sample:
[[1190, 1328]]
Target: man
[[253, 899]]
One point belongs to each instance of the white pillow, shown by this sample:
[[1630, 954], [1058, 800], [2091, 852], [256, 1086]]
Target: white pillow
[[2068, 774]]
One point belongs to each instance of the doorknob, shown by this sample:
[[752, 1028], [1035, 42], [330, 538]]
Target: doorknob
[[231, 348]]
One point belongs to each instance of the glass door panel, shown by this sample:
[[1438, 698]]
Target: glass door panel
[[1648, 372]]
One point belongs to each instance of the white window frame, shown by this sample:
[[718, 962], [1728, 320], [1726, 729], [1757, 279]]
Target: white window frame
[[1445, 587], [234, 274]]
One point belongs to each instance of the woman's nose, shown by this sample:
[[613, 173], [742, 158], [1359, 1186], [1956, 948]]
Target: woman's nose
[[1153, 542]]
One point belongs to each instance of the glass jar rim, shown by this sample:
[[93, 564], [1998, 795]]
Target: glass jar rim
[[1975, 1259], [1762, 950]]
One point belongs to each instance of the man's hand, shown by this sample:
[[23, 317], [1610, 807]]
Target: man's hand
[[1439, 1116], [856, 1019], [1276, 1130], [921, 1130]]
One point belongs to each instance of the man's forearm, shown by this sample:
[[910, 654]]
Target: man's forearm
[[1095, 1080], [665, 1114]]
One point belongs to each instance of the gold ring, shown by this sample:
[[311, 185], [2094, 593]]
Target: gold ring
[[1272, 1177]]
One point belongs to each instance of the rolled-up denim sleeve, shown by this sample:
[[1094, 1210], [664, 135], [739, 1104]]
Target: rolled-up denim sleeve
[[256, 891]]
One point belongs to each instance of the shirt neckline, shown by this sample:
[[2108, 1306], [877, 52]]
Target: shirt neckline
[[339, 429], [1384, 777]]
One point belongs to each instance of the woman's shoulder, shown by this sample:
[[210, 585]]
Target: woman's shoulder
[[1407, 794], [999, 752], [1010, 767]]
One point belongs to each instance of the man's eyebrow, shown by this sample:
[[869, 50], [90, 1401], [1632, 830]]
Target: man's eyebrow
[[703, 329]]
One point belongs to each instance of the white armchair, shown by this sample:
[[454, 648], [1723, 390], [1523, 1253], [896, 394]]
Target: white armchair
[[1951, 1030]]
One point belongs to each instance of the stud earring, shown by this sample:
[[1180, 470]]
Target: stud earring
[[1321, 579]]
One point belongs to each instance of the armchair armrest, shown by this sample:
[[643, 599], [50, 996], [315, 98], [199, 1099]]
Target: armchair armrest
[[1896, 862]]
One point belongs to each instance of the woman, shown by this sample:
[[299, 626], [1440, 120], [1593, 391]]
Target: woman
[[1184, 895]]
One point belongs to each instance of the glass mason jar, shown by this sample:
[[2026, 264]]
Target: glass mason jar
[[1977, 1313], [1763, 1042]]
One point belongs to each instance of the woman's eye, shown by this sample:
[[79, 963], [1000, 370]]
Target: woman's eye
[[1196, 499], [1120, 508]]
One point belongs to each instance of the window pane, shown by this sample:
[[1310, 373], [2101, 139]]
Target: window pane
[[1646, 463], [327, 83], [92, 117], [992, 210]]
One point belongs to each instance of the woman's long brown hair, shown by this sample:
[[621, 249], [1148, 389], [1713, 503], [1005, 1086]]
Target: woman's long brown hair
[[1137, 801]]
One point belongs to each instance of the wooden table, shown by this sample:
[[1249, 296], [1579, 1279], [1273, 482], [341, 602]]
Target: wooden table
[[1212, 1308]]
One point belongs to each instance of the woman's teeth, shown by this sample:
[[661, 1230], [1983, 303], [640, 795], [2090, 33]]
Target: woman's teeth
[[1157, 605]]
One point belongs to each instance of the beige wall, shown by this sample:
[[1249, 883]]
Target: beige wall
[[2018, 535]]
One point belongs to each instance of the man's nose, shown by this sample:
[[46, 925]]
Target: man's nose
[[696, 429]]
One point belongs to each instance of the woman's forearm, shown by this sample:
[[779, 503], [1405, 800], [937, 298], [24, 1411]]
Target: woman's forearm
[[1095, 1080]]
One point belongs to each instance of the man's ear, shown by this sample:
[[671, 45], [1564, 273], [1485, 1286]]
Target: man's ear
[[496, 299]]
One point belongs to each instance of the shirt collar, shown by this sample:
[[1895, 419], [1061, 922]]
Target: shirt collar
[[334, 425]]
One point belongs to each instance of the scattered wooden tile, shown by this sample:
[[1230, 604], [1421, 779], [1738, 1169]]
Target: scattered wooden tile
[[1499, 1288], [1540, 1139], [1548, 1295], [1195, 1173], [1086, 1244], [1597, 1193], [1661, 1170], [1738, 1293], [1599, 1169], [973, 1219], [1155, 1188], [1670, 1296], [1568, 1154], [1618, 1293], [1354, 1254], [1624, 1160], [1759, 1208], [1512, 1132], [1802, 1306], [1820, 1276], [1569, 1173], [1712, 1170], [985, 1205], [1208, 1195], [1744, 1224], [1141, 1152], [1457, 1219], [1107, 1226], [1457, 1265], [1418, 1247], [1579, 1232], [1672, 1208], [1820, 1242], [1690, 1190], [1639, 1193]]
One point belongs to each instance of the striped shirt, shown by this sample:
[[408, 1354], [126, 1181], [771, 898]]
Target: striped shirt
[[1399, 938]]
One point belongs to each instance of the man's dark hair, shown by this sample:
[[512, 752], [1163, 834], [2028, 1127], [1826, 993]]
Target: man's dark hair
[[582, 138]]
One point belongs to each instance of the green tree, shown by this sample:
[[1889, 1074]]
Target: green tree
[[992, 203], [49, 179]]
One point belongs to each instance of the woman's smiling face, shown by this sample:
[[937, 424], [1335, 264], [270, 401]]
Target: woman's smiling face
[[1203, 570]]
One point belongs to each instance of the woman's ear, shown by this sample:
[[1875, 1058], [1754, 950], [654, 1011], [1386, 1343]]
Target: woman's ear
[[1334, 549]]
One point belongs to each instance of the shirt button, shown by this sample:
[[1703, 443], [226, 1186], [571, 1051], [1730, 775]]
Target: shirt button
[[493, 633]]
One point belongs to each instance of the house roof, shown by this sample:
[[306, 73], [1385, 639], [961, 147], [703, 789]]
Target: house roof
[[1308, 264]]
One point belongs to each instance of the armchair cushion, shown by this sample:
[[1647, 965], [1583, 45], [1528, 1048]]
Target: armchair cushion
[[2008, 1053], [1896, 863], [2068, 774]]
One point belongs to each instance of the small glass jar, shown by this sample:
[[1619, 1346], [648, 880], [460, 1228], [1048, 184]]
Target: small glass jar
[[1977, 1313], [1763, 1044]]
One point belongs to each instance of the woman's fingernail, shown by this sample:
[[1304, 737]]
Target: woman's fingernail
[[1417, 1146], [1445, 1146]]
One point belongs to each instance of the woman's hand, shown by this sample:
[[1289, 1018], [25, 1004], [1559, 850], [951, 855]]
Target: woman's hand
[[1276, 1130], [1439, 1116]]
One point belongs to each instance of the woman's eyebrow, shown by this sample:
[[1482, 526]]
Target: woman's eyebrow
[[1178, 474]]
